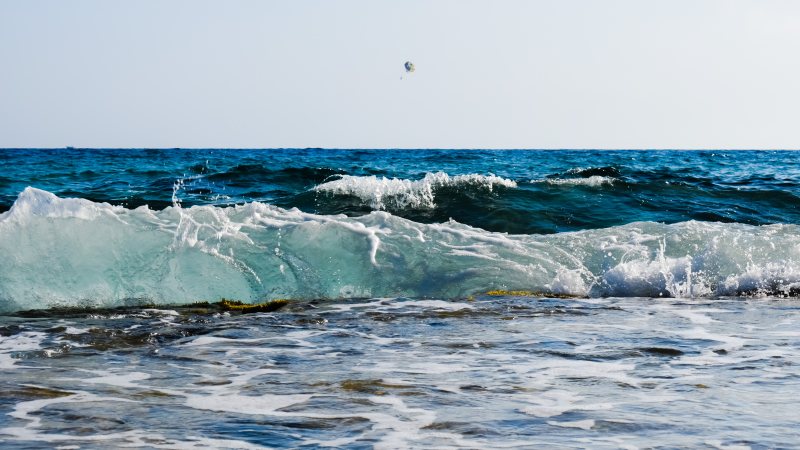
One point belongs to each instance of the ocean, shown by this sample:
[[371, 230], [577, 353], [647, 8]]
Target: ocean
[[310, 298]]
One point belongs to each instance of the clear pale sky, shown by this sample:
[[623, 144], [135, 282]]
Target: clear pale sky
[[490, 74]]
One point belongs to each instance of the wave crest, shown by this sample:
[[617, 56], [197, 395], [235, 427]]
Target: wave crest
[[72, 252], [592, 181], [398, 194]]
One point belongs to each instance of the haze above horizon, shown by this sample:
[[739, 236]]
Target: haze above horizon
[[711, 74]]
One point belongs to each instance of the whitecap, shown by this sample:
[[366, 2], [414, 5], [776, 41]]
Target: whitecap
[[398, 194], [592, 181]]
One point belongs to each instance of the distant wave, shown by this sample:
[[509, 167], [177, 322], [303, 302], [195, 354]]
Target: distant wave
[[592, 181], [397, 194], [583, 176], [586, 172], [61, 251]]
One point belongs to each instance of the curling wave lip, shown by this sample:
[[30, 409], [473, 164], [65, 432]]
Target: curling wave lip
[[69, 252]]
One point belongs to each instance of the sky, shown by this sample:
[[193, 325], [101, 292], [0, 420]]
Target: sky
[[324, 73]]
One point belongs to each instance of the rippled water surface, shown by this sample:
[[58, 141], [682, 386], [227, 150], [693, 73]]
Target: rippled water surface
[[494, 372], [552, 191]]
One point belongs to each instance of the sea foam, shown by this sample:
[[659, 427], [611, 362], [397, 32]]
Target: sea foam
[[68, 252], [592, 181], [394, 193]]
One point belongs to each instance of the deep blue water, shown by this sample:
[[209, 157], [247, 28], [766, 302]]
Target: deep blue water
[[436, 299], [750, 187]]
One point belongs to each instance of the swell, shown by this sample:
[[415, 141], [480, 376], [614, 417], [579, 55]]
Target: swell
[[536, 206], [69, 252], [577, 199], [381, 193], [247, 174], [554, 191]]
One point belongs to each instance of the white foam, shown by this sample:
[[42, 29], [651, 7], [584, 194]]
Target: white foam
[[25, 410], [401, 431], [33, 202], [558, 369], [696, 316], [722, 446], [394, 193], [582, 424], [341, 307], [411, 305], [550, 403], [244, 404], [729, 342], [554, 402], [426, 367], [592, 181], [338, 443], [126, 380], [161, 312], [73, 330], [216, 340], [195, 442], [21, 342]]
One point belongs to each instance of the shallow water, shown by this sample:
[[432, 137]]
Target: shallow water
[[494, 372]]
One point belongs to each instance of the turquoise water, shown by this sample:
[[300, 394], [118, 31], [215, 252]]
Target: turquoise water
[[117, 227], [438, 299]]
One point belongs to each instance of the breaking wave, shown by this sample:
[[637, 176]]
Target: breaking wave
[[74, 252], [592, 181], [399, 194]]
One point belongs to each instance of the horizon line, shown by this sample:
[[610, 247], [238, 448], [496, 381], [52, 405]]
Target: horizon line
[[414, 148]]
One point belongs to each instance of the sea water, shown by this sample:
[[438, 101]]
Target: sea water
[[437, 299]]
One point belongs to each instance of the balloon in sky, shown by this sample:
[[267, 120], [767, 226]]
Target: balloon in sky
[[409, 66]]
